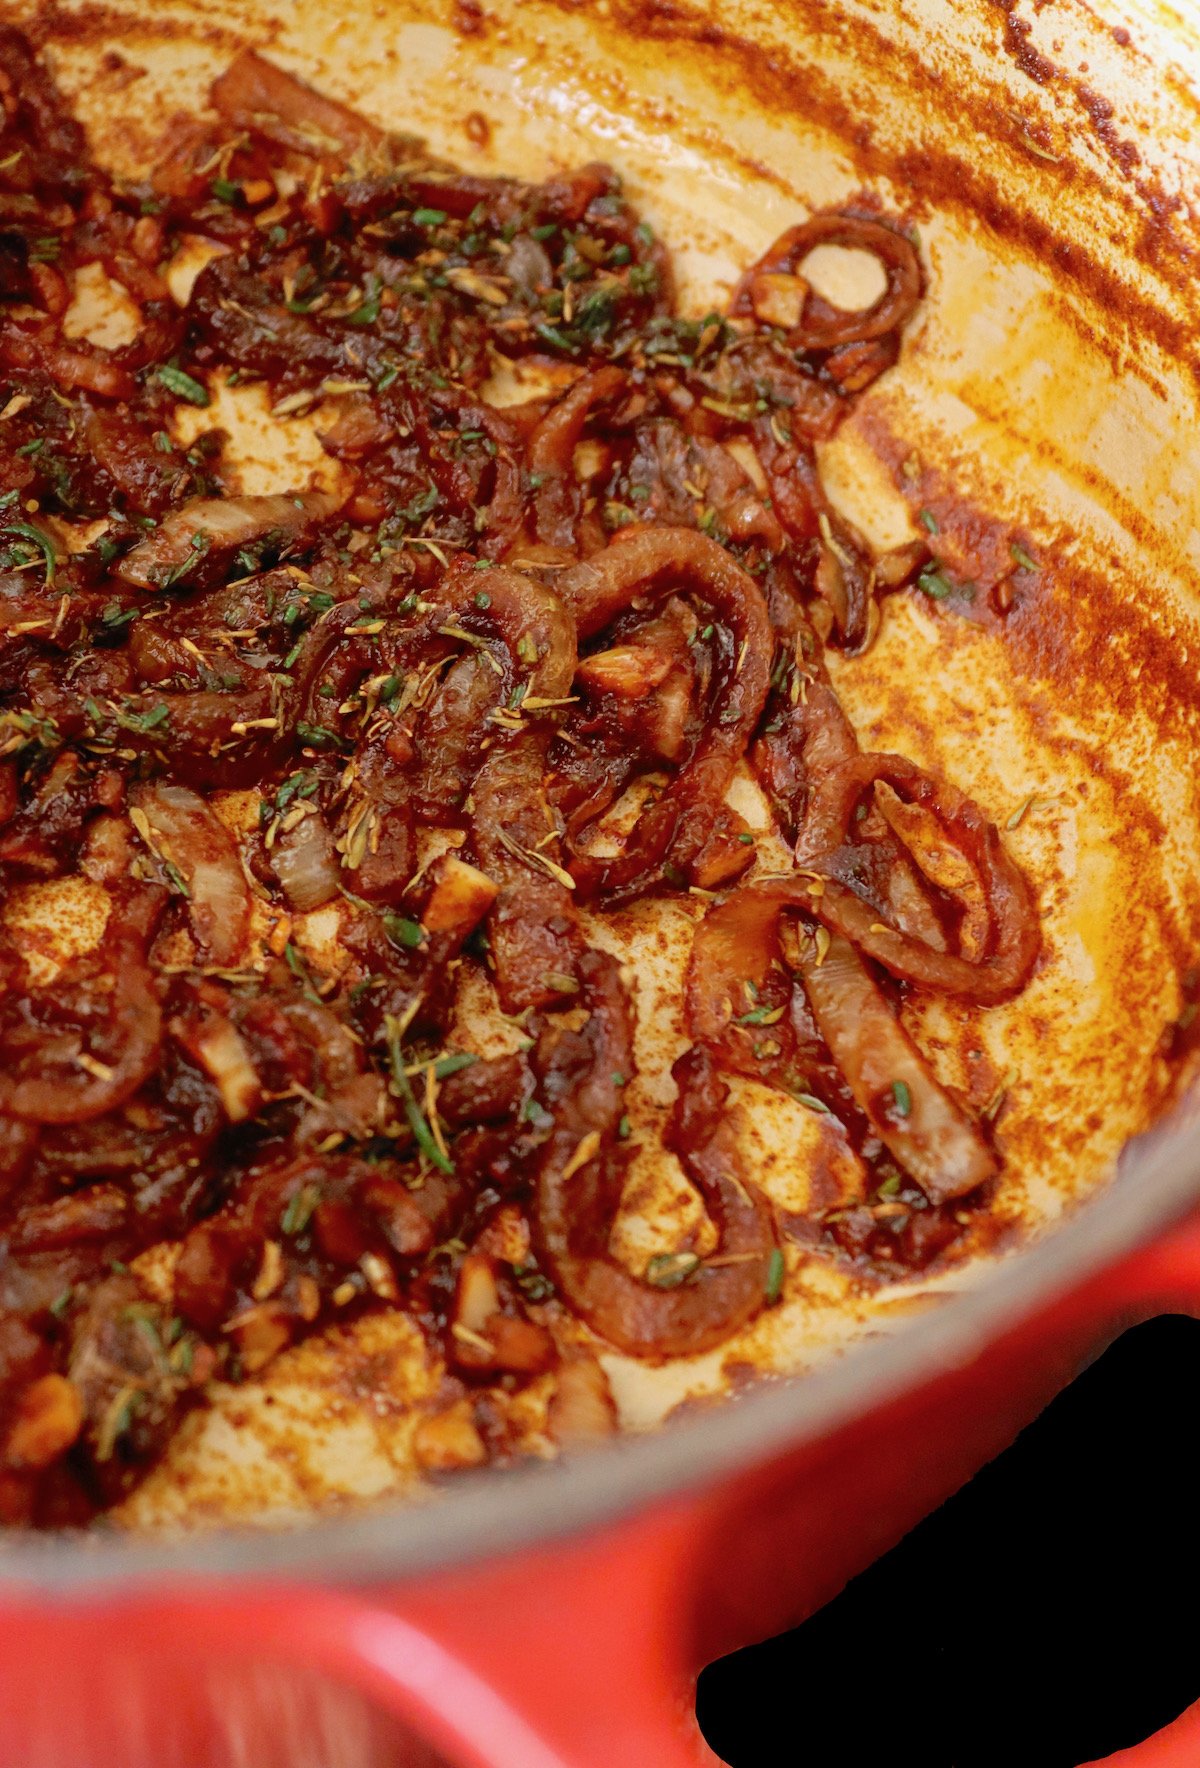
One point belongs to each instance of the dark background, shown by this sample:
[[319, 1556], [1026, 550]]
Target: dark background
[[1046, 1616]]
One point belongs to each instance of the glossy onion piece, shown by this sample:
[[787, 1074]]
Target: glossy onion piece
[[551, 451], [195, 544], [579, 1177], [932, 1138], [811, 768], [185, 832], [63, 1077], [640, 568], [532, 927], [844, 576], [72, 366], [737, 983], [306, 863], [255, 95], [1002, 961], [817, 325], [817, 778], [937, 1142]]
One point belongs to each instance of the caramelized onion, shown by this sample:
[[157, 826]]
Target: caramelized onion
[[532, 926], [639, 568], [307, 1132], [195, 544], [187, 833], [933, 1139], [255, 95], [817, 325], [306, 864], [1006, 935], [931, 1136], [78, 365], [580, 1174], [551, 451], [54, 1076]]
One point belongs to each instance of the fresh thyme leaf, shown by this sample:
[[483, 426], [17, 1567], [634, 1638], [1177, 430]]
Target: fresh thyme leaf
[[667, 1270], [935, 585], [299, 1212], [183, 385], [412, 1111], [402, 931], [35, 537]]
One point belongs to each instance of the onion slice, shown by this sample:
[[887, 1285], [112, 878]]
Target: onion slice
[[642, 566], [818, 325], [255, 95], [579, 1181], [182, 830], [930, 1135], [533, 925], [306, 864], [195, 543], [1000, 914], [57, 1079]]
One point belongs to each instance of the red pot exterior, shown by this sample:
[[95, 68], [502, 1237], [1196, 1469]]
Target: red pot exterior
[[581, 1655]]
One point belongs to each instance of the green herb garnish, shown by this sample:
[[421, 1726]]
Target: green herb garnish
[[299, 1211], [935, 585], [368, 312], [401, 931], [316, 735], [183, 385], [667, 1270], [403, 1091], [35, 536]]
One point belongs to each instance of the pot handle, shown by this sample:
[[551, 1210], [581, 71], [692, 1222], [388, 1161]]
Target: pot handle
[[567, 1657], [588, 1641]]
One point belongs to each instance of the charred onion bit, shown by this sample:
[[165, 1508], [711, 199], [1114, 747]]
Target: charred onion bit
[[533, 636], [581, 1172]]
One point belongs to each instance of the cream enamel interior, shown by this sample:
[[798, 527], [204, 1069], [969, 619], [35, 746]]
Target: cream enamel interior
[[1016, 393]]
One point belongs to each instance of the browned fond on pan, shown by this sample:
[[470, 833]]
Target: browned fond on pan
[[1065, 411]]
